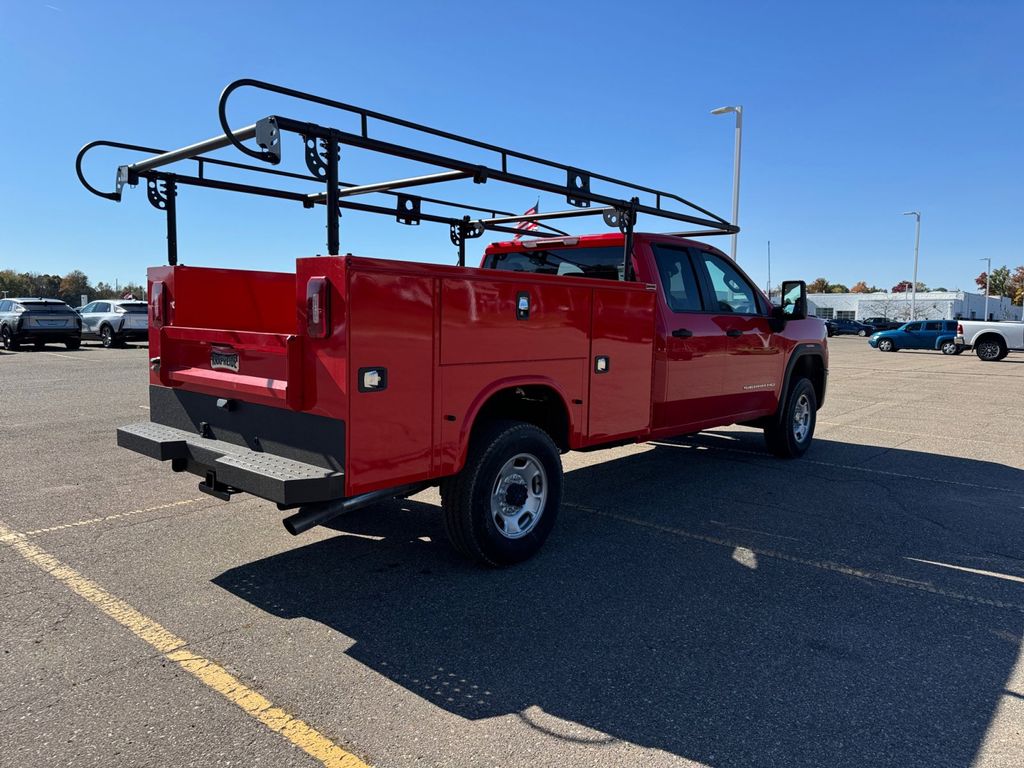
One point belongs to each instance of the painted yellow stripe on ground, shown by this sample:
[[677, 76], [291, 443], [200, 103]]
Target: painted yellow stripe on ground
[[94, 520], [211, 674]]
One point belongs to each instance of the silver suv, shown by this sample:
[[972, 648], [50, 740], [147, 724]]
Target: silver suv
[[115, 321], [38, 321]]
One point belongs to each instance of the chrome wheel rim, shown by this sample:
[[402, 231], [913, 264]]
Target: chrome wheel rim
[[988, 350], [802, 418], [519, 495]]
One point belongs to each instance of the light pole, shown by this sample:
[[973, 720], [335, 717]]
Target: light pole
[[988, 276], [917, 245], [735, 166]]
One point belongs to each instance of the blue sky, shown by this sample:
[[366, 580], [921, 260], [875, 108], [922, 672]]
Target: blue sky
[[853, 113]]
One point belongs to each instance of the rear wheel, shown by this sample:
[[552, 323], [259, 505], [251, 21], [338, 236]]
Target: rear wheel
[[501, 507], [959, 350], [790, 436], [886, 345], [73, 343], [37, 345], [9, 340], [949, 347], [862, 332], [990, 350], [107, 336]]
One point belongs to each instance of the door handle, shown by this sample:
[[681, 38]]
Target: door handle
[[733, 333], [682, 333]]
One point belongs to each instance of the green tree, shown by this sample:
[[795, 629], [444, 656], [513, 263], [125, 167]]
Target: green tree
[[998, 281], [838, 288], [73, 286]]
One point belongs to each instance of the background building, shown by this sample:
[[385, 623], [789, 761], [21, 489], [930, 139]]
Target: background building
[[931, 305]]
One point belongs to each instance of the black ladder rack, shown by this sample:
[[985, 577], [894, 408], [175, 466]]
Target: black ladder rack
[[619, 204]]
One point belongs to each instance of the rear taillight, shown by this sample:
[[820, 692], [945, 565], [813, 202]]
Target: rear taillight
[[318, 308], [959, 329], [157, 304]]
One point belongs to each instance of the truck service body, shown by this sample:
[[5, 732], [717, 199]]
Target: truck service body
[[355, 379]]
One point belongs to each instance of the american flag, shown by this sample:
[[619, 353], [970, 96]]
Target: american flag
[[529, 225]]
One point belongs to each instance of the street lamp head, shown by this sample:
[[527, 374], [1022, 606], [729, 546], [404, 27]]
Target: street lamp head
[[913, 213], [726, 110]]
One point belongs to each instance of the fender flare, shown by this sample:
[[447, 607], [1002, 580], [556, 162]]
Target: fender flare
[[804, 349], [499, 385]]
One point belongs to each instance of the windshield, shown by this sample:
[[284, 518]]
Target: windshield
[[601, 263]]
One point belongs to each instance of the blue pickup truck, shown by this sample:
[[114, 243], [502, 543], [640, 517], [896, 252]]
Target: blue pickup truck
[[920, 334]]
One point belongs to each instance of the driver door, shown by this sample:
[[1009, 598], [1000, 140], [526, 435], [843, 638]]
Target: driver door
[[754, 359]]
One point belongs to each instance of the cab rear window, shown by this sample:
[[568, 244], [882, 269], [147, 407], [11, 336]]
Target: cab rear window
[[600, 263]]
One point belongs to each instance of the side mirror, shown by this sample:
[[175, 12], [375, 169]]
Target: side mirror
[[794, 300]]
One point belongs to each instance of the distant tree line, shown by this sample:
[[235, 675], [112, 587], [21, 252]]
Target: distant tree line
[[1003, 282], [69, 288], [822, 285]]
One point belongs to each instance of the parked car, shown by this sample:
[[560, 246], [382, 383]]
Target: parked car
[[920, 334], [848, 327], [38, 322], [882, 323], [991, 341], [351, 380], [115, 321]]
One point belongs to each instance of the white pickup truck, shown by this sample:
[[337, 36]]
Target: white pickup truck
[[991, 341]]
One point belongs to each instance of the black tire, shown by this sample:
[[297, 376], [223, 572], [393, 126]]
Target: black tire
[[959, 349], [862, 332], [886, 345], [38, 345], [10, 341], [473, 527], [990, 350], [949, 348], [107, 336], [73, 344], [783, 437]]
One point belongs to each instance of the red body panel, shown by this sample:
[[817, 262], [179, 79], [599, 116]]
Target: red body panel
[[449, 338]]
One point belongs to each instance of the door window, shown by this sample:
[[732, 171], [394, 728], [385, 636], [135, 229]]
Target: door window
[[933, 326], [912, 327], [5, 306], [732, 293], [101, 306], [87, 308], [678, 281]]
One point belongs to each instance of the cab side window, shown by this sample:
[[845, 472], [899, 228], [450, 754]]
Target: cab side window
[[678, 280], [732, 293]]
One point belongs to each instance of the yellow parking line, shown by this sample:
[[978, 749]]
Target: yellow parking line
[[93, 520], [211, 674]]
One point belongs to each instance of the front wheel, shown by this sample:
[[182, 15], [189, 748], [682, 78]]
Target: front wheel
[[959, 350], [790, 436], [107, 336], [949, 348], [501, 507], [886, 345]]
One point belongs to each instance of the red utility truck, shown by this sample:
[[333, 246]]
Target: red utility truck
[[352, 380]]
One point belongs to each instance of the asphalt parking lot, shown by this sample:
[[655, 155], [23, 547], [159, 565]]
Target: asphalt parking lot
[[700, 602]]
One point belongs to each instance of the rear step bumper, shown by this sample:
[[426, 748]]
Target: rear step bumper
[[285, 481]]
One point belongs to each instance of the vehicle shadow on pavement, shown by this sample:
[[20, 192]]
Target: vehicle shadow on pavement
[[640, 620]]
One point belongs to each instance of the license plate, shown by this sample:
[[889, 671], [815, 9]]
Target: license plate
[[53, 323], [222, 360]]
